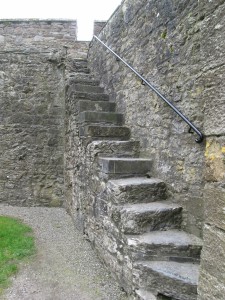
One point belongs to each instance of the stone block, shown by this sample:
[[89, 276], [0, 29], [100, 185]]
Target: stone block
[[136, 190], [171, 245], [212, 269], [100, 117], [214, 197], [144, 217], [172, 279], [102, 106], [117, 167], [105, 132]]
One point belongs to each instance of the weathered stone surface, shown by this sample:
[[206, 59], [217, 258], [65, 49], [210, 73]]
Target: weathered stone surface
[[38, 35], [105, 132], [85, 105], [215, 159], [215, 205], [163, 41], [124, 167], [144, 217], [32, 99], [144, 295], [173, 279], [165, 245], [136, 190], [31, 151], [95, 117], [212, 272], [114, 148]]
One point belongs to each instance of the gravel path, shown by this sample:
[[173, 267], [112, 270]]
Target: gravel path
[[65, 266]]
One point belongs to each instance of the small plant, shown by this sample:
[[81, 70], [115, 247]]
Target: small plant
[[16, 243]]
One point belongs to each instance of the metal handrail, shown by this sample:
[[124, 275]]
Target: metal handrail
[[144, 81]]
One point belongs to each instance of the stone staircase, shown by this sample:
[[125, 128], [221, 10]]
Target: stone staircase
[[151, 256]]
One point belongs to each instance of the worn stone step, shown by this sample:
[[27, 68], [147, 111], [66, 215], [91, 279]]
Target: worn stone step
[[171, 245], [172, 279], [100, 132], [142, 294], [88, 88], [114, 148], [82, 78], [100, 117], [90, 96], [80, 65], [144, 217], [102, 106], [124, 167], [136, 190]]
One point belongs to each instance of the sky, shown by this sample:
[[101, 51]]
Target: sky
[[84, 11]]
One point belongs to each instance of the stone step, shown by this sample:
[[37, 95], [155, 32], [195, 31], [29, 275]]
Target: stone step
[[80, 65], [172, 279], [100, 132], [171, 245], [136, 190], [88, 88], [88, 105], [114, 148], [100, 117], [142, 294], [83, 79], [144, 217], [90, 96], [113, 167]]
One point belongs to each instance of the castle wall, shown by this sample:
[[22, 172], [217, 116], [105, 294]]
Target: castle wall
[[37, 34], [32, 70], [179, 47]]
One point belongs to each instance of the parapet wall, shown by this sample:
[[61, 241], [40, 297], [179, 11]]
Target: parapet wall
[[33, 58], [37, 33]]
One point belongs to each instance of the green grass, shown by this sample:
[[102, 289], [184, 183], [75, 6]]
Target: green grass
[[16, 243]]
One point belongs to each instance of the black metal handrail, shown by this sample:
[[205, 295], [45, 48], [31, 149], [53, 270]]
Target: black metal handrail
[[144, 81]]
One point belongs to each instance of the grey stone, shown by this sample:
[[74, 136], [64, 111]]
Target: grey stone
[[114, 167], [91, 96], [140, 218], [115, 148], [136, 190], [100, 117], [105, 132], [85, 105], [173, 279], [2, 39], [165, 245], [88, 88]]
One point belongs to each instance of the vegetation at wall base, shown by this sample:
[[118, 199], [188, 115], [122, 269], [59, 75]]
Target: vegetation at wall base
[[16, 244]]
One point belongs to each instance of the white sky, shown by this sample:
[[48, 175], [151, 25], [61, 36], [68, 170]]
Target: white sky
[[84, 11]]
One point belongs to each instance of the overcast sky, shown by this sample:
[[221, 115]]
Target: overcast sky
[[84, 11]]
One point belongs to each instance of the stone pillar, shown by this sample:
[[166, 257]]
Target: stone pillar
[[98, 25]]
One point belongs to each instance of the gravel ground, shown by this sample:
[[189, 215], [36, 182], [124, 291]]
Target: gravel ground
[[65, 266]]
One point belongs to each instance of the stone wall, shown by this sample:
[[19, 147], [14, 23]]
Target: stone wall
[[161, 39], [212, 275], [33, 56], [37, 34], [179, 47]]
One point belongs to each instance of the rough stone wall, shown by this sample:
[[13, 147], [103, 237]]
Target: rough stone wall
[[161, 39], [212, 275], [33, 55], [179, 47], [37, 34]]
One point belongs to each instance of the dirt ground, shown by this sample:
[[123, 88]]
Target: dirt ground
[[65, 266]]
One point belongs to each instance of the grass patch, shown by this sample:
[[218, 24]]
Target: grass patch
[[16, 243]]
